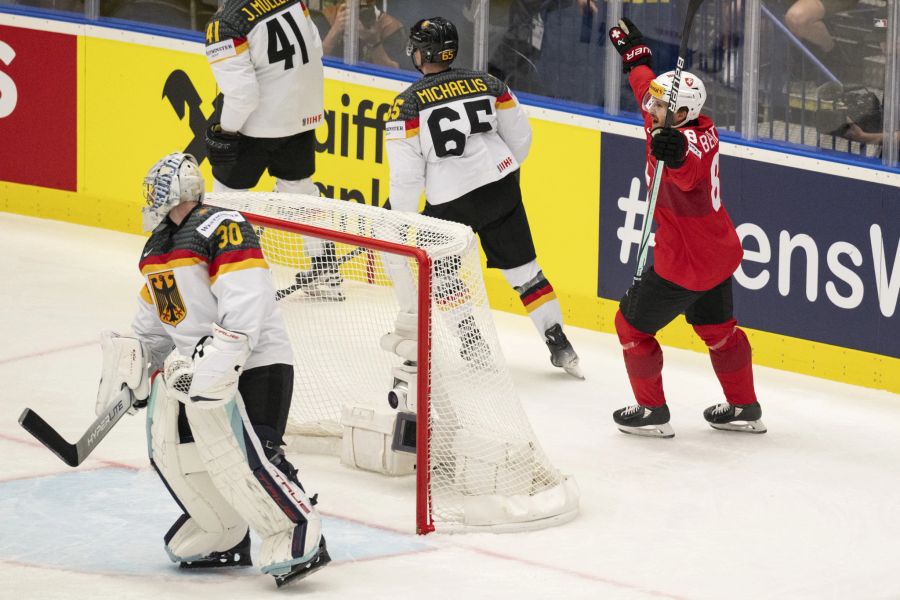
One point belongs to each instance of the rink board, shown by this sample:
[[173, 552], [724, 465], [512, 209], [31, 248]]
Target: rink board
[[828, 309]]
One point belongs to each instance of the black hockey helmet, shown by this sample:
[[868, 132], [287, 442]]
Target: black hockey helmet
[[435, 38]]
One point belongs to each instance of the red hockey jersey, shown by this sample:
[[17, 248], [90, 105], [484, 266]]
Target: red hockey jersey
[[696, 244]]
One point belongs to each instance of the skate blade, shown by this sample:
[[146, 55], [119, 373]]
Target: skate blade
[[660, 431], [742, 426], [322, 558], [575, 371], [325, 295], [243, 561]]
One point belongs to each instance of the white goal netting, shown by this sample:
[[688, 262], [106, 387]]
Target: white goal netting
[[485, 466]]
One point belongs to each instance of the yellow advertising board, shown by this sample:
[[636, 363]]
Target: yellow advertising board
[[138, 101]]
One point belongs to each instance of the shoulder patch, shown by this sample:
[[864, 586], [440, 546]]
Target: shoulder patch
[[401, 130], [208, 226], [225, 49]]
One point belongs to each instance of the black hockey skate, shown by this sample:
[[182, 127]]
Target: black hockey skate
[[239, 556], [322, 281], [641, 420], [562, 354], [735, 417], [306, 569]]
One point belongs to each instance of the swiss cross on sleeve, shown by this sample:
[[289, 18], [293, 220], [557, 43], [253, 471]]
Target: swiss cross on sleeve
[[616, 35]]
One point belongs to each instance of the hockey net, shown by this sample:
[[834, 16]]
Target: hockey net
[[478, 464]]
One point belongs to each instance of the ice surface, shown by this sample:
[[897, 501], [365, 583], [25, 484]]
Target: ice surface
[[807, 510]]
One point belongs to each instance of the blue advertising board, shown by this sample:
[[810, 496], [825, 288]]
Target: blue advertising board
[[821, 252]]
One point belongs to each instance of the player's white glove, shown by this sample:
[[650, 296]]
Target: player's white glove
[[124, 364], [218, 363]]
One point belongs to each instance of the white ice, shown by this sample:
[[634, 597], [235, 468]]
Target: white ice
[[808, 510]]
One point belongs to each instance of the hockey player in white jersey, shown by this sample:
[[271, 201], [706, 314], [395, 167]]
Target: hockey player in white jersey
[[208, 320], [461, 136], [267, 61]]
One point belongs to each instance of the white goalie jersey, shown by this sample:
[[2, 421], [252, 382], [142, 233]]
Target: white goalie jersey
[[450, 133], [208, 270], [267, 60]]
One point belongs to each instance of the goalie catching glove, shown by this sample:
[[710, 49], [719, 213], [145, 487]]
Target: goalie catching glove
[[218, 362], [629, 42], [124, 365]]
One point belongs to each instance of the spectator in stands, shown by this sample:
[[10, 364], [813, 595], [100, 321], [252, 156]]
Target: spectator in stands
[[382, 38], [513, 61], [807, 20]]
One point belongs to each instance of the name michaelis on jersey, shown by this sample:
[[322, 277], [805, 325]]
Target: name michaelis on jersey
[[452, 89]]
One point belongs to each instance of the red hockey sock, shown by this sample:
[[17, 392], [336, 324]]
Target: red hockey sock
[[731, 356], [643, 361]]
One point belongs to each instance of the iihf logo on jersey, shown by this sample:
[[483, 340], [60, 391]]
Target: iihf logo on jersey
[[180, 91], [169, 304], [313, 119]]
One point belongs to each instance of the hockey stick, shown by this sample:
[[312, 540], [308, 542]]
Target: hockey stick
[[652, 194], [279, 294], [75, 454]]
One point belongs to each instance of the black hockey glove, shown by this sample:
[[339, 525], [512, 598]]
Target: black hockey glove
[[628, 40], [221, 146], [669, 145]]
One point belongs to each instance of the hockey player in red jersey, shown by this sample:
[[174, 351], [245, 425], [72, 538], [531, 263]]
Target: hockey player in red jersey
[[696, 253]]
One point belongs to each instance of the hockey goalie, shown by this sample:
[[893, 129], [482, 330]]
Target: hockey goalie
[[208, 322]]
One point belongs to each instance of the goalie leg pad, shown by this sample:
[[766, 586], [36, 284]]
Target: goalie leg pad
[[124, 364], [209, 523], [276, 507]]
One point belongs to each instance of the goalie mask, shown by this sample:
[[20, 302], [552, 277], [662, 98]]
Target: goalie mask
[[172, 180], [691, 94], [436, 39]]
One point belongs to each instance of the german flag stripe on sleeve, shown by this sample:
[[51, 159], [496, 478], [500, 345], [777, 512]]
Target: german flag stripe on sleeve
[[538, 296], [171, 260], [236, 260], [505, 101], [412, 127]]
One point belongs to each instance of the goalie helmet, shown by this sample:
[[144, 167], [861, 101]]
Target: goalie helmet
[[691, 93], [436, 39], [174, 179]]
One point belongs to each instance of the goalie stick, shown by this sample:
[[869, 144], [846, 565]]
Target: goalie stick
[[75, 454], [653, 192], [279, 294]]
